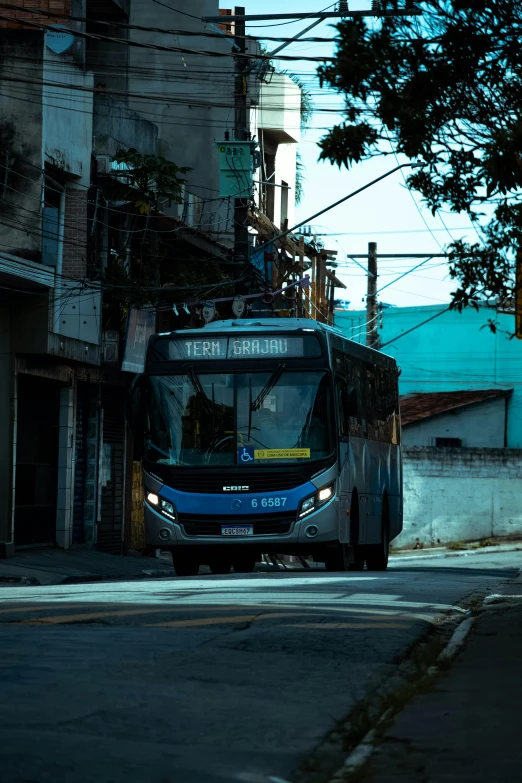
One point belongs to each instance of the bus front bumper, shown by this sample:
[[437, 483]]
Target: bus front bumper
[[320, 527]]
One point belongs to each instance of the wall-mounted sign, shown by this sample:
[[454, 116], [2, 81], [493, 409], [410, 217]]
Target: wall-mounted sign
[[59, 39], [141, 324]]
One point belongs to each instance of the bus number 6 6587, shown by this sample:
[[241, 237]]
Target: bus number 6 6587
[[268, 502]]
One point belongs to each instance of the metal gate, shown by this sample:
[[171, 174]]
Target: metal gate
[[86, 464], [112, 471]]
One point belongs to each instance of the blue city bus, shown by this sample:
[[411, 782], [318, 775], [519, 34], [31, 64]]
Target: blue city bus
[[270, 436]]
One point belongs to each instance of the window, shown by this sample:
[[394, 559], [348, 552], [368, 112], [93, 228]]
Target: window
[[341, 398], [208, 418], [448, 443], [51, 224], [284, 204]]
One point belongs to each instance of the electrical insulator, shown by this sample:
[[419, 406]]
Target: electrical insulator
[[343, 7], [518, 296], [376, 6]]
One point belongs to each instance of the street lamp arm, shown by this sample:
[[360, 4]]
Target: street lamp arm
[[341, 201]]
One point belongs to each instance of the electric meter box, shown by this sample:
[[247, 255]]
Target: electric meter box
[[236, 168]]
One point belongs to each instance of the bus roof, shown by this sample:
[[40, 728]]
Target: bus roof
[[276, 325], [255, 324]]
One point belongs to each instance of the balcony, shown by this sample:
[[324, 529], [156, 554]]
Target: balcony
[[47, 317], [280, 110]]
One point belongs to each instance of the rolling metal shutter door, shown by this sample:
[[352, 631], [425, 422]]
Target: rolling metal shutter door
[[79, 468], [110, 528]]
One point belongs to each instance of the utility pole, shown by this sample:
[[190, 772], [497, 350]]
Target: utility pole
[[242, 133], [372, 326]]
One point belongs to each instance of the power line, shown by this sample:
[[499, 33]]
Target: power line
[[159, 47], [409, 331]]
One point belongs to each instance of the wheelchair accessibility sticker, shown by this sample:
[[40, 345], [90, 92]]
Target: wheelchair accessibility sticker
[[245, 454]]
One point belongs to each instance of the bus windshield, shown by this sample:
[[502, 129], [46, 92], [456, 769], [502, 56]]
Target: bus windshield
[[198, 419]]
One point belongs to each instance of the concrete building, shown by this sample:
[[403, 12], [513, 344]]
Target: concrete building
[[50, 318], [461, 406], [277, 126], [473, 419], [72, 97]]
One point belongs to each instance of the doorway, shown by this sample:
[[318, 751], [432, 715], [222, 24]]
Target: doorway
[[36, 461]]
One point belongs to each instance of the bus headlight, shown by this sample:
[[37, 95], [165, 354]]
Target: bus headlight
[[315, 501], [167, 509], [307, 506]]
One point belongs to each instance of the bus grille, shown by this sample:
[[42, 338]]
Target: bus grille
[[208, 525], [256, 482]]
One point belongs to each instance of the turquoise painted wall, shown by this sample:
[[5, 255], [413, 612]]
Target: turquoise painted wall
[[451, 352]]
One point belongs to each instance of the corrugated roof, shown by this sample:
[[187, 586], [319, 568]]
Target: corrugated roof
[[415, 407]]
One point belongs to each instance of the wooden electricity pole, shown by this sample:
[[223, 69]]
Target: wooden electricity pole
[[242, 133], [372, 325]]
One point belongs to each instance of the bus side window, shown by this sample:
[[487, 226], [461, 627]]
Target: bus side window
[[370, 394], [356, 406], [342, 408]]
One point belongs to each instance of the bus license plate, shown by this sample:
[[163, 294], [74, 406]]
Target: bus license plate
[[236, 530]]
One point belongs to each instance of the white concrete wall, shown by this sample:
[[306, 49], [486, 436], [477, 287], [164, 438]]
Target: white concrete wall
[[478, 426], [285, 171], [67, 135], [460, 495], [195, 105], [280, 108]]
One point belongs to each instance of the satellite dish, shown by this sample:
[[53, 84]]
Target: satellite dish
[[60, 39]]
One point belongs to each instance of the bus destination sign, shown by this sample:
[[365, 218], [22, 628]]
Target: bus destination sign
[[258, 347]]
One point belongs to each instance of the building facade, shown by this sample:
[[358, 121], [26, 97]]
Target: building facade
[[461, 406], [81, 83]]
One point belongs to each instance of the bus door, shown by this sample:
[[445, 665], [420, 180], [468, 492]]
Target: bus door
[[343, 433]]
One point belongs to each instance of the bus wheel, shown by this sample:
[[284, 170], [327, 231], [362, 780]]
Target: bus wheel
[[244, 564], [377, 556], [184, 565], [220, 565], [336, 558]]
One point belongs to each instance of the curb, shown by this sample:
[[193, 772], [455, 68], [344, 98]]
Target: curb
[[397, 558], [76, 580], [362, 753]]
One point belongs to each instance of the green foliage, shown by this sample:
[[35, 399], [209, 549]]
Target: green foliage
[[306, 114], [445, 87], [300, 177], [148, 181], [307, 103]]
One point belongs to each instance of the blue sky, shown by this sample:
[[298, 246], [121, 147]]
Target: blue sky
[[386, 213]]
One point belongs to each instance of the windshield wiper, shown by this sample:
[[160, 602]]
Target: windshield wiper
[[265, 391], [152, 445], [249, 408], [196, 383]]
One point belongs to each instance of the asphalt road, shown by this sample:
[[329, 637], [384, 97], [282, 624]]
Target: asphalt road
[[207, 680]]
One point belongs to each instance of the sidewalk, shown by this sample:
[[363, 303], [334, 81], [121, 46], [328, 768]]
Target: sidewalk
[[59, 566], [461, 550], [467, 728]]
